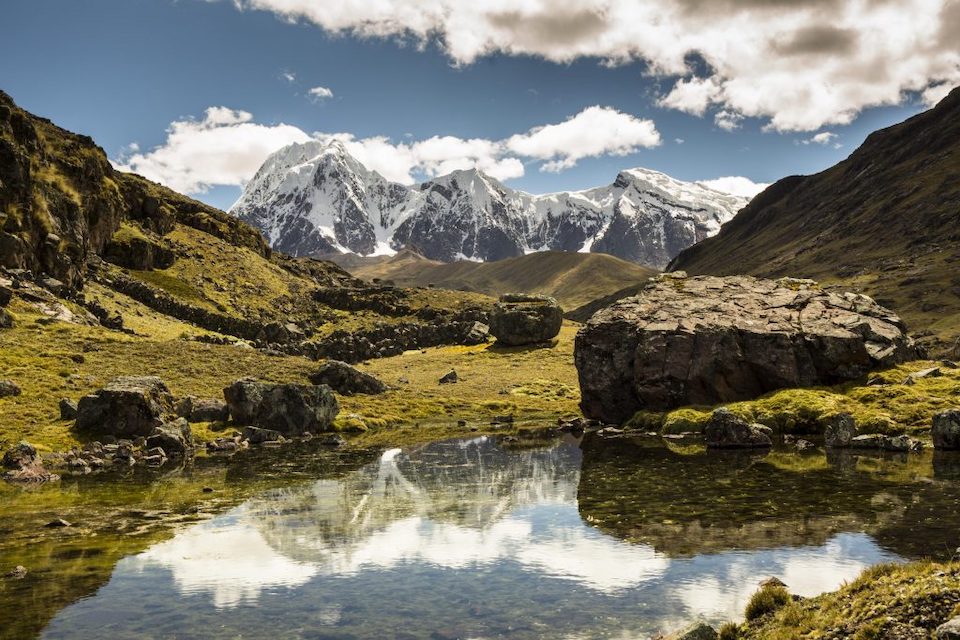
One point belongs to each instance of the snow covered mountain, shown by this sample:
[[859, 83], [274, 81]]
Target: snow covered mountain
[[315, 198]]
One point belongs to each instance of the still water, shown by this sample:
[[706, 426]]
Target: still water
[[484, 538]]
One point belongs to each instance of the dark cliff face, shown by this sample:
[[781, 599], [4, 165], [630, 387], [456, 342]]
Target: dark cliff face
[[61, 201], [887, 218]]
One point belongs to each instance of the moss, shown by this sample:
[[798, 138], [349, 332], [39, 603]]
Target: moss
[[685, 420], [128, 232], [766, 601], [920, 596]]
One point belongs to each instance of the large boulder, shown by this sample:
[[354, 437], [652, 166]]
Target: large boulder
[[946, 430], [128, 407], [708, 340], [726, 431], [291, 409], [195, 409], [519, 319], [345, 379]]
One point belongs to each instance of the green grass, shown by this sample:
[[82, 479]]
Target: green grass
[[766, 601]]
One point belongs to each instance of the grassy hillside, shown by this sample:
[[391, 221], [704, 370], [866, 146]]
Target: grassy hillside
[[885, 221], [574, 279]]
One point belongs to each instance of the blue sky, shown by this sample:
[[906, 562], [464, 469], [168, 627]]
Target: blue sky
[[123, 70]]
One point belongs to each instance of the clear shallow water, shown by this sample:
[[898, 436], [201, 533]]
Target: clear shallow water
[[473, 539]]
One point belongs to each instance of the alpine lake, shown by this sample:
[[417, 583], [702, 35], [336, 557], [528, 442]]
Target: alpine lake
[[542, 535]]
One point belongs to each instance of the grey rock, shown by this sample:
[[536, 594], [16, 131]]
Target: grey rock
[[931, 372], [881, 442], [840, 430], [58, 523], [128, 407], [256, 435], [519, 319], [291, 409], [68, 409], [6, 319], [477, 334], [946, 430], [24, 464], [202, 409], [346, 379], [450, 378], [949, 630], [726, 431], [174, 438], [9, 388], [708, 340]]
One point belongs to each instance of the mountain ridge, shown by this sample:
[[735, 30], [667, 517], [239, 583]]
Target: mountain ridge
[[886, 220], [315, 198]]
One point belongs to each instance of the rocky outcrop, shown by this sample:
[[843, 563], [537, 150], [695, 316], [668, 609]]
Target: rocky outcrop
[[135, 250], [946, 430], [345, 379], [726, 431], [128, 407], [290, 409], [519, 319], [708, 340]]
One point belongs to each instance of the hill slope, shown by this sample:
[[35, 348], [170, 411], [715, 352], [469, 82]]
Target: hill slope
[[315, 198], [574, 279], [885, 220]]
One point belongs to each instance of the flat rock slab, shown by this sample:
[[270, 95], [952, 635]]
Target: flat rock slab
[[709, 340]]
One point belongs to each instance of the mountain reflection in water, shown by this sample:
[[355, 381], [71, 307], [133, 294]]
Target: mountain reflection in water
[[469, 538]]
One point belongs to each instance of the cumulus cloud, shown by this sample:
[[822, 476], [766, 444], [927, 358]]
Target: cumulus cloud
[[320, 93], [799, 65], [823, 138], [593, 132], [226, 147], [727, 120], [736, 185]]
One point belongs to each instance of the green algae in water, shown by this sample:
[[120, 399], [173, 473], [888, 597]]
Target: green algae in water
[[472, 538]]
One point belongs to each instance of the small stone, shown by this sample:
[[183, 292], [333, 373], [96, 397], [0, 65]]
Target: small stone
[[19, 572], [57, 524], [256, 435], [949, 630], [450, 378], [207, 489], [726, 431], [333, 440], [9, 388]]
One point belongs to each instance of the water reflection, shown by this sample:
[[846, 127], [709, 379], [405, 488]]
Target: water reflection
[[471, 539]]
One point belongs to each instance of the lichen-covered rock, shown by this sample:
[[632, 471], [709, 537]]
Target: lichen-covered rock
[[291, 409], [525, 319], [345, 379], [128, 407], [946, 430], [726, 431], [709, 340], [695, 631]]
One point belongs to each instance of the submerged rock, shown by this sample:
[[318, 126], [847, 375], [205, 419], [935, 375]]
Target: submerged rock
[[346, 379], [128, 407], [946, 430], [525, 319], [708, 340], [291, 409], [726, 431]]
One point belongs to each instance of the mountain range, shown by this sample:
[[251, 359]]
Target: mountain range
[[885, 221], [315, 198]]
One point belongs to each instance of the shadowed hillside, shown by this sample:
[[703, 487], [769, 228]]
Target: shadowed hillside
[[574, 279], [886, 221]]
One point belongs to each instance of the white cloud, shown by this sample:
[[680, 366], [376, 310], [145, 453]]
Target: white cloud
[[289, 76], [224, 148], [595, 131], [320, 93], [800, 65], [736, 185], [822, 138], [679, 140], [727, 120]]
